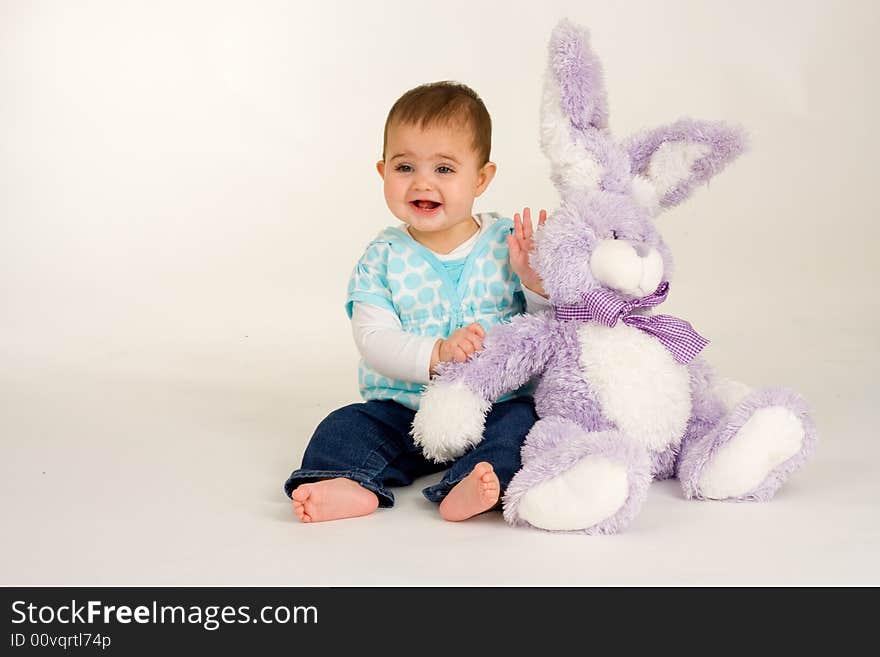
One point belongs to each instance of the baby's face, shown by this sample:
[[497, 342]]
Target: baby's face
[[432, 176]]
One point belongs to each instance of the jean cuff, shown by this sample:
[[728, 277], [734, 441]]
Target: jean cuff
[[440, 490], [297, 477]]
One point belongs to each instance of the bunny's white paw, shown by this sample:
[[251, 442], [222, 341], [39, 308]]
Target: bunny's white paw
[[449, 421]]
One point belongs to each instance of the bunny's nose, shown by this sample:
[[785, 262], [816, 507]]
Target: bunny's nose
[[633, 269], [642, 250]]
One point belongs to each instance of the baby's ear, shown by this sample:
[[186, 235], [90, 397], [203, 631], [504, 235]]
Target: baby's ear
[[672, 160], [486, 174]]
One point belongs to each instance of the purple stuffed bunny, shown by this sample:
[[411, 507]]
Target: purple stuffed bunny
[[622, 396]]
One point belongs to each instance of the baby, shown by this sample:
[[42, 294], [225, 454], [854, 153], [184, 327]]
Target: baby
[[421, 295]]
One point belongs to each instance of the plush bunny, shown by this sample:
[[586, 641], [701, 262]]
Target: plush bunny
[[622, 396]]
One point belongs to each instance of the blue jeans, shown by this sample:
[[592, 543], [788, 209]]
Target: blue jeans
[[370, 443]]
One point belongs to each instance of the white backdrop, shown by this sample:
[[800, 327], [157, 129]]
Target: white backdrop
[[186, 186], [191, 171]]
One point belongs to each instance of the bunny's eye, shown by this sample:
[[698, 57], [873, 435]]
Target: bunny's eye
[[614, 234]]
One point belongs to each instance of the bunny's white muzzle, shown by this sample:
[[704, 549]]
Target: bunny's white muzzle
[[617, 265]]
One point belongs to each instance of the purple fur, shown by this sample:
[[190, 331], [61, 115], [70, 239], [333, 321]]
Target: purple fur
[[611, 157], [700, 450], [513, 352], [705, 407], [546, 435], [663, 463], [562, 391], [579, 74], [560, 445], [727, 143], [573, 231], [573, 422]]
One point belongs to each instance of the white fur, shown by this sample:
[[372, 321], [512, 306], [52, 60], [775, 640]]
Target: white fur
[[729, 391], [645, 194], [769, 438], [672, 163], [573, 163], [652, 273], [641, 387], [449, 421], [586, 494], [615, 264]]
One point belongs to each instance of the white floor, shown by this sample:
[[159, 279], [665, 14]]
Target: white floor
[[163, 464]]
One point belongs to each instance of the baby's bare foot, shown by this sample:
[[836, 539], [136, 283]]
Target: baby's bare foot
[[477, 492], [332, 499]]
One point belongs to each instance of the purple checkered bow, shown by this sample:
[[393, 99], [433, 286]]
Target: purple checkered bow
[[606, 307]]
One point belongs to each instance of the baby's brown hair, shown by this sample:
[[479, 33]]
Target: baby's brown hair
[[444, 103]]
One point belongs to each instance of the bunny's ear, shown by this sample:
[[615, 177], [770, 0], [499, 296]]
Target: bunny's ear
[[670, 161], [574, 114]]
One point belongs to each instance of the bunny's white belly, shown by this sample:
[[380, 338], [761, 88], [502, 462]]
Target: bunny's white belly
[[641, 387]]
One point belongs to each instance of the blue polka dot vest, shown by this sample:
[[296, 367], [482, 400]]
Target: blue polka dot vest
[[398, 273]]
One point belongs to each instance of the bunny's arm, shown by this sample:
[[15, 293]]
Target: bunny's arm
[[453, 408]]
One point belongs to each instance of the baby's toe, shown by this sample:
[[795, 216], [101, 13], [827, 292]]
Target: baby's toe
[[480, 469], [310, 510], [301, 493]]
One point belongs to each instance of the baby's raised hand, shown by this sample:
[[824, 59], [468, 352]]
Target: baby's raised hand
[[521, 245], [459, 346]]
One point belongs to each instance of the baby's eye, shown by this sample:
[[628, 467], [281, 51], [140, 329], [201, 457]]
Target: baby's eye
[[403, 168], [444, 169]]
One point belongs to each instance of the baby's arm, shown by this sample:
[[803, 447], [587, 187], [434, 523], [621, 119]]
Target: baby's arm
[[387, 348], [394, 353]]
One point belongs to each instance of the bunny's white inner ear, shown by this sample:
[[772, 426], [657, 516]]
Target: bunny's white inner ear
[[672, 163], [645, 194], [573, 166]]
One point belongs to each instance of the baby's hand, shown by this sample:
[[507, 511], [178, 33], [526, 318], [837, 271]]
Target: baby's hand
[[462, 344], [521, 245]]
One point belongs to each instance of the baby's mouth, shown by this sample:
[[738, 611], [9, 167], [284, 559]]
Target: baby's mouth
[[425, 205]]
